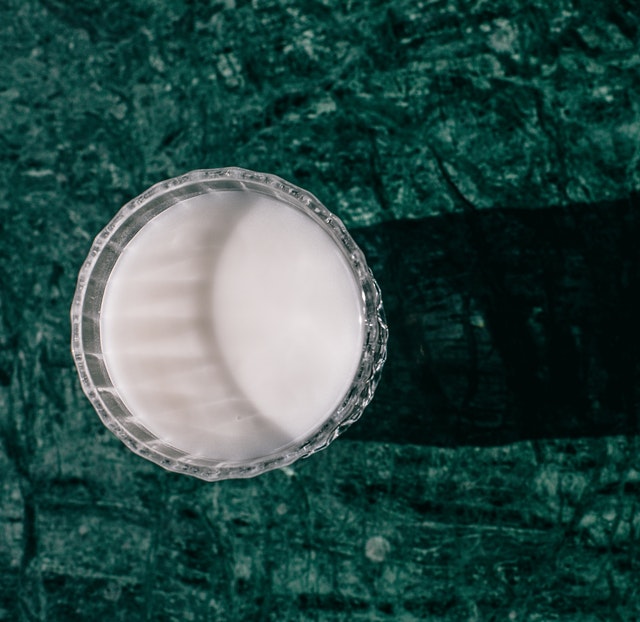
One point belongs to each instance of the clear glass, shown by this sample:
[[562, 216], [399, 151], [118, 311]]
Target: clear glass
[[86, 339]]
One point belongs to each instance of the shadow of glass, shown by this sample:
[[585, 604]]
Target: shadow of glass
[[508, 325]]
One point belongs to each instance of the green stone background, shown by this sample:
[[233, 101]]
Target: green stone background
[[387, 111]]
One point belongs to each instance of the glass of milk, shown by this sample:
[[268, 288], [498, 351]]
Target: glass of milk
[[225, 324]]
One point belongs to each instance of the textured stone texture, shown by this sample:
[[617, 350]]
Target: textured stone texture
[[486, 154]]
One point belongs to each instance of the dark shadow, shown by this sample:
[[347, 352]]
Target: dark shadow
[[507, 325]]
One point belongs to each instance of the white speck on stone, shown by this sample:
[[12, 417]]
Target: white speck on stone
[[633, 476], [41, 172], [242, 567], [157, 63], [603, 92], [477, 320], [504, 36], [377, 548]]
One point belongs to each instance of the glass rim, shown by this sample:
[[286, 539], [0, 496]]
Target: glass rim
[[86, 346]]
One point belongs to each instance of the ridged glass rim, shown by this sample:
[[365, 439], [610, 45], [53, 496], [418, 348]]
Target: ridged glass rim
[[86, 344]]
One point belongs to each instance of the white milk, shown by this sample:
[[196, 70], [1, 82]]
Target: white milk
[[232, 325]]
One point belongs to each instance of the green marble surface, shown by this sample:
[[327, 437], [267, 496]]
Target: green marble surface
[[486, 154]]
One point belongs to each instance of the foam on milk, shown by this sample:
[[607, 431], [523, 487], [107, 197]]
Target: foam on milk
[[231, 325]]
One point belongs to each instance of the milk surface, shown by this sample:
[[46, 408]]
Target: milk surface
[[231, 325]]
